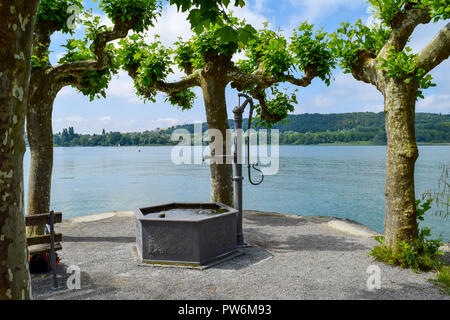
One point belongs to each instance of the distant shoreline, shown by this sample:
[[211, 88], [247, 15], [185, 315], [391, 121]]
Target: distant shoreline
[[361, 143]]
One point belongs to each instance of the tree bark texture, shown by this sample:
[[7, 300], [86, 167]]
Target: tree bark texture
[[16, 30], [40, 139], [213, 88], [400, 215]]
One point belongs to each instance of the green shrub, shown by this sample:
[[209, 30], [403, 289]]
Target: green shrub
[[422, 255]]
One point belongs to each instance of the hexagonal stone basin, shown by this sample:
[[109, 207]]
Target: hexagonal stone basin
[[185, 233]]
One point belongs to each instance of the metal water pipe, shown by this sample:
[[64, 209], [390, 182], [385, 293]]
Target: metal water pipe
[[237, 160], [238, 178]]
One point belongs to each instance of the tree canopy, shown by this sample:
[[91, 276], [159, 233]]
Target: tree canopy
[[89, 63], [270, 59], [384, 42]]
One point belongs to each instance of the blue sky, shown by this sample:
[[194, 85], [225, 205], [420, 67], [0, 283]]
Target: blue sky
[[123, 111]]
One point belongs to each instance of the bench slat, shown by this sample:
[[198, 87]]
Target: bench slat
[[43, 239], [43, 248], [41, 219]]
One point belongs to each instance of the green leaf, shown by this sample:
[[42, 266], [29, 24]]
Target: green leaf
[[226, 34]]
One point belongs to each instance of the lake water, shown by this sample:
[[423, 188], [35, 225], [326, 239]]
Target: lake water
[[341, 181]]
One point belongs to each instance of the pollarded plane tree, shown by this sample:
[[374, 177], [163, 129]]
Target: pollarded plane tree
[[206, 60], [87, 65], [378, 55], [16, 30]]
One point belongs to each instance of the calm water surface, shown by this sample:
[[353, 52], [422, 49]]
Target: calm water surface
[[341, 181]]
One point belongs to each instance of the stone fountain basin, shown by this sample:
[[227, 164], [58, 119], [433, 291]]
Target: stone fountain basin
[[185, 233]]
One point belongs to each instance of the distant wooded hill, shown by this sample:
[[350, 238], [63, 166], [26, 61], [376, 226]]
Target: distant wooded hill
[[356, 127], [348, 127]]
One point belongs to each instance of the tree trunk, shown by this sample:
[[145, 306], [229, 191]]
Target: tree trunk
[[16, 30], [400, 219], [217, 118], [40, 140]]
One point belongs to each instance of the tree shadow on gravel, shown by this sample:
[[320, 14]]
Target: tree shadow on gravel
[[99, 239], [301, 242], [91, 287], [277, 220], [252, 255], [406, 291]]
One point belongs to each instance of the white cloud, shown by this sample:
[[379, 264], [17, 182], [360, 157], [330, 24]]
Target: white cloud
[[59, 55], [441, 76], [434, 103], [67, 91], [317, 10], [372, 21], [345, 94], [423, 34], [259, 6], [104, 20], [75, 119], [322, 101], [251, 16], [346, 88], [105, 119], [176, 75], [122, 86], [170, 26], [166, 122], [239, 56]]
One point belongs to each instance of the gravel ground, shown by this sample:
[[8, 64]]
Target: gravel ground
[[289, 257]]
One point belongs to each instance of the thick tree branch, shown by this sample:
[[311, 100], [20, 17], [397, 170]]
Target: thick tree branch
[[309, 75], [243, 80], [259, 82], [365, 68], [436, 51], [75, 79], [169, 88], [265, 112], [403, 25], [192, 80], [102, 60]]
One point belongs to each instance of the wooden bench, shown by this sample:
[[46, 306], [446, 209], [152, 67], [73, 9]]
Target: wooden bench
[[47, 243]]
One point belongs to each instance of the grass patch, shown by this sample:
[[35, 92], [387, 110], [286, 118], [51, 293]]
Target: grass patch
[[442, 280], [422, 256]]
